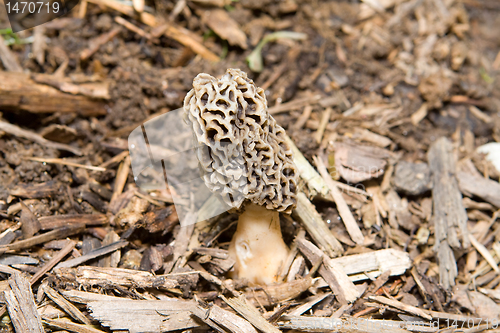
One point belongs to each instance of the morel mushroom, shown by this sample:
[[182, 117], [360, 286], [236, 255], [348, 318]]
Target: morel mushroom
[[243, 157]]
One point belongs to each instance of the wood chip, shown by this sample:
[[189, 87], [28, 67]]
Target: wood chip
[[70, 245], [449, 214], [21, 305], [240, 305], [65, 305], [225, 27], [93, 254]]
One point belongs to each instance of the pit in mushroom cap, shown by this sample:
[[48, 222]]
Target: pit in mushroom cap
[[243, 154]]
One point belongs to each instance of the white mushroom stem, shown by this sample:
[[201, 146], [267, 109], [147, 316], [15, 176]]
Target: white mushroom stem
[[257, 246]]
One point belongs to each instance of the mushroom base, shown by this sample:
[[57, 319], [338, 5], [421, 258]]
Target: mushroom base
[[257, 246]]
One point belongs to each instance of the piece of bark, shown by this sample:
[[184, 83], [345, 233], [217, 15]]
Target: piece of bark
[[486, 189], [21, 305], [29, 222], [225, 318], [331, 271], [247, 311], [19, 92], [59, 133], [93, 254], [316, 227], [108, 277], [120, 181], [66, 305], [144, 316], [225, 27], [450, 218], [37, 191], [57, 221], [412, 178], [357, 163], [8, 58], [160, 220], [95, 201]]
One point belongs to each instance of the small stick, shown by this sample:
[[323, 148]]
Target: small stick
[[120, 20], [70, 245], [43, 238], [114, 159], [344, 211], [70, 326], [93, 254], [121, 179], [293, 105], [301, 121], [401, 306], [19, 132], [484, 252], [64, 162], [322, 125], [97, 42]]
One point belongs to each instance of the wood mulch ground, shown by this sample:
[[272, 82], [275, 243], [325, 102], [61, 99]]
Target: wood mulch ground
[[389, 105]]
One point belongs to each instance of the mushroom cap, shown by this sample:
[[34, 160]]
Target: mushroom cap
[[242, 152]]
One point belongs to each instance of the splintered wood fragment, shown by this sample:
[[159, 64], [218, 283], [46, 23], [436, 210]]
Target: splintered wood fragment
[[97, 42], [316, 227], [93, 254], [108, 277], [315, 183], [285, 268], [64, 162], [8, 58], [121, 179], [8, 270], [36, 191], [57, 221], [43, 238], [333, 273], [450, 218], [486, 189], [114, 159], [66, 305], [344, 211], [121, 314], [112, 259], [401, 306], [484, 252], [211, 278], [21, 305], [216, 316], [29, 222], [247, 311], [70, 326], [328, 324], [213, 252], [274, 294], [19, 92], [70, 245]]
